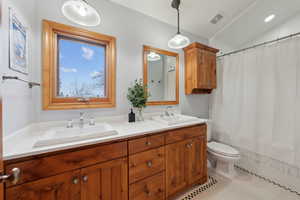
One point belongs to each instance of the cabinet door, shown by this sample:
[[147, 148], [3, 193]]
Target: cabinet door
[[206, 71], [61, 187], [175, 167], [196, 160], [108, 181], [152, 188]]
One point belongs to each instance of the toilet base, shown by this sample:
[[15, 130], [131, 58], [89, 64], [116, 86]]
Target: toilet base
[[223, 165], [225, 169]]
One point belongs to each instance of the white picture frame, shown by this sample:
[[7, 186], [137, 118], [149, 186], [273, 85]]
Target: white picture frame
[[18, 44]]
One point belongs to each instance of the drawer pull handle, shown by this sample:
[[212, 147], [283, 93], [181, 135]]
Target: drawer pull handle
[[85, 178], [148, 143], [147, 191], [149, 164], [14, 176], [75, 181], [189, 145], [132, 165]]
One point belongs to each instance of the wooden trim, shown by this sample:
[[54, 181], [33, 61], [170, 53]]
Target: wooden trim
[[50, 32], [145, 73], [200, 46]]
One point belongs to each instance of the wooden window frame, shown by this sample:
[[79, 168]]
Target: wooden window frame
[[146, 49], [51, 31]]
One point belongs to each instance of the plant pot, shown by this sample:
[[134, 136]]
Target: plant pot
[[139, 116]]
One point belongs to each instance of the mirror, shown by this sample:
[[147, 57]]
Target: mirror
[[161, 69]]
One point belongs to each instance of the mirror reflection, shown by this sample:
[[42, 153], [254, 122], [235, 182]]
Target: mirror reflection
[[160, 75]]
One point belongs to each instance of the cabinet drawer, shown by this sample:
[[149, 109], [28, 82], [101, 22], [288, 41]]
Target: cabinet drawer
[[152, 188], [185, 133], [51, 165], [146, 164], [63, 187], [145, 143]]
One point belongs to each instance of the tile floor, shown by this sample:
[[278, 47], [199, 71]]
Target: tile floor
[[243, 187]]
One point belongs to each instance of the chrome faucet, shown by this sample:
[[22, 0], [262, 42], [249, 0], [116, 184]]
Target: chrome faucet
[[167, 112], [81, 120]]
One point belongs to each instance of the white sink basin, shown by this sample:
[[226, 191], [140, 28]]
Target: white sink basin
[[174, 120], [67, 135]]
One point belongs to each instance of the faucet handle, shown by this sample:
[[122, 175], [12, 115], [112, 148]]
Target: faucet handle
[[92, 121], [70, 124], [81, 114]]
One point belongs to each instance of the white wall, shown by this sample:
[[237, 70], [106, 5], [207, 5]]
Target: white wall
[[22, 106], [132, 30], [18, 99]]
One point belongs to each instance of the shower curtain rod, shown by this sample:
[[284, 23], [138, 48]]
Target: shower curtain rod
[[258, 45]]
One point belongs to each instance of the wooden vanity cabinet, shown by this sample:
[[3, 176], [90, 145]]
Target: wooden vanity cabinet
[[106, 181], [196, 164], [87, 174], [200, 69], [154, 167], [176, 163], [186, 162], [61, 187]]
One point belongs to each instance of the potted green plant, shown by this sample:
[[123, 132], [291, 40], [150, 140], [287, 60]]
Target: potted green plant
[[138, 96]]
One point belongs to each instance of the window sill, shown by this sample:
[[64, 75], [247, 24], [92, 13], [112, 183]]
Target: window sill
[[71, 106]]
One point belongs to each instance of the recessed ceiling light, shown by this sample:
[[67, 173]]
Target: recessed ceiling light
[[269, 18]]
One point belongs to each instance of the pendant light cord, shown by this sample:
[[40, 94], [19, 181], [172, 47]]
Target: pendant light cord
[[178, 21]]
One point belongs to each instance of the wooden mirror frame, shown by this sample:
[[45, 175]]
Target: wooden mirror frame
[[146, 49]]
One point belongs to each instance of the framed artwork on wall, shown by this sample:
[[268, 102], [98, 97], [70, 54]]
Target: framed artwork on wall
[[18, 44]]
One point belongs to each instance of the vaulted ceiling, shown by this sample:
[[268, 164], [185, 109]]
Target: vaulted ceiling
[[243, 19], [195, 14]]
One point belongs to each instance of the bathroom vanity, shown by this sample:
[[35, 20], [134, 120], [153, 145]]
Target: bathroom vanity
[[154, 165]]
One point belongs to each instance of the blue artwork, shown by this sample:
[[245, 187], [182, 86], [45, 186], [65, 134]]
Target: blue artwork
[[18, 43]]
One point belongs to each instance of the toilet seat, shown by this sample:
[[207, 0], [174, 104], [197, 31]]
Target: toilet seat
[[222, 149]]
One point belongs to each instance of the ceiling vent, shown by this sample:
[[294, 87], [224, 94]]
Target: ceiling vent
[[216, 19]]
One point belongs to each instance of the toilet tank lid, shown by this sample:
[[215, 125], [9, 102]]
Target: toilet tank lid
[[222, 149]]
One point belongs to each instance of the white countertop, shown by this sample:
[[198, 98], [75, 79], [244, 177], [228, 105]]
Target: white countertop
[[21, 143]]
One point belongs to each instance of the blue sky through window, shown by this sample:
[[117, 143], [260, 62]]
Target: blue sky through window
[[81, 69]]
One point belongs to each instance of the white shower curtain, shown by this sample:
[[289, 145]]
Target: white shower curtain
[[257, 104]]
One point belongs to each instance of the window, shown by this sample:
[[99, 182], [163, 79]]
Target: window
[[79, 68]]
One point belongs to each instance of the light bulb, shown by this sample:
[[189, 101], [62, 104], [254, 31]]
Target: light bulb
[[81, 10], [179, 41], [269, 18]]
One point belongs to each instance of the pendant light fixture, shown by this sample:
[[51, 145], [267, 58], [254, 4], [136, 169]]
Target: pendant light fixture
[[179, 41], [80, 12]]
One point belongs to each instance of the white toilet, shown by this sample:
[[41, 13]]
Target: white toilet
[[223, 156]]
